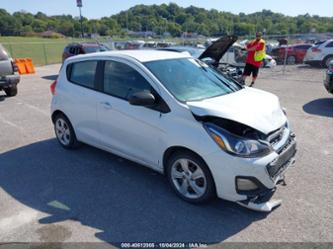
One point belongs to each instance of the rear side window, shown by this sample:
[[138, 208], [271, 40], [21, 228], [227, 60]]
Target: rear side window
[[329, 45], [121, 80], [83, 73], [72, 50], [76, 50], [3, 54]]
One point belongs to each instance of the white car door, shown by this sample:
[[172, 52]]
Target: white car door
[[78, 99], [133, 131]]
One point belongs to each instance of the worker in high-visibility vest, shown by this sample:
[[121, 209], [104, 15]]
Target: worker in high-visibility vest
[[256, 54]]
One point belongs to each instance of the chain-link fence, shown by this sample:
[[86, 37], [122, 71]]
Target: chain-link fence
[[41, 53]]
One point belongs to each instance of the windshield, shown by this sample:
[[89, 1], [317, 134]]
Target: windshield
[[190, 79]]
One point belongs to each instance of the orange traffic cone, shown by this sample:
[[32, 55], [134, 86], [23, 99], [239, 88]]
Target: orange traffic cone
[[21, 65], [29, 66]]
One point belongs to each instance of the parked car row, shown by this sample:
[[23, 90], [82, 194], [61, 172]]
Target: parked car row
[[318, 54], [293, 54]]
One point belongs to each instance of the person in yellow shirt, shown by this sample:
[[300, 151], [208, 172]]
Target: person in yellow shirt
[[256, 53]]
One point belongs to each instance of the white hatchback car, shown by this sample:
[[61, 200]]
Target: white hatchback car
[[173, 113], [320, 54]]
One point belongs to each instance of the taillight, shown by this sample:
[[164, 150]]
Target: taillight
[[15, 68], [53, 87], [316, 50]]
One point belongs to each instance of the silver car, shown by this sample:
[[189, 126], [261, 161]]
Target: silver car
[[9, 77]]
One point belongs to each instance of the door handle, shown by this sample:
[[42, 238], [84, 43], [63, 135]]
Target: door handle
[[106, 105]]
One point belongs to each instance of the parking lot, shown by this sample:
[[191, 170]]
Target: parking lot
[[48, 194]]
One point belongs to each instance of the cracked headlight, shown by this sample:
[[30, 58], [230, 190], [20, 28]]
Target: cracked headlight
[[237, 145]]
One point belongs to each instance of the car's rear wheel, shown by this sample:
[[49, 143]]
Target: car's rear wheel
[[64, 132], [11, 91], [190, 177], [291, 60]]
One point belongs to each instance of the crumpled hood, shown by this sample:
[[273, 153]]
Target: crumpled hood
[[255, 108]]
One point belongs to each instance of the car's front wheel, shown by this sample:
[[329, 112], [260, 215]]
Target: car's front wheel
[[190, 177], [65, 132]]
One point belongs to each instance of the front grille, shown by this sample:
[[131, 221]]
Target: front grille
[[286, 153]]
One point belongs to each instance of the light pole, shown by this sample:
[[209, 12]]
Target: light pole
[[165, 26], [79, 5]]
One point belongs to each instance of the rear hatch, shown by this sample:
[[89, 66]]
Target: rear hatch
[[314, 52], [6, 66]]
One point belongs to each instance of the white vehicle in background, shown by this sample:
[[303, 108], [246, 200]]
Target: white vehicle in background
[[236, 56], [171, 112], [320, 54]]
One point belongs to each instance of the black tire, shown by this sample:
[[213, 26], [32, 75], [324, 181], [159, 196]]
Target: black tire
[[209, 192], [11, 91], [73, 143], [326, 61], [291, 60]]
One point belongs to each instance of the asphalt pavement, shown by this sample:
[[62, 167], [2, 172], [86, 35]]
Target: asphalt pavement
[[48, 194]]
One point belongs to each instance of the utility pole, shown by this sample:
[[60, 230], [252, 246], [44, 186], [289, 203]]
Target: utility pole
[[79, 5]]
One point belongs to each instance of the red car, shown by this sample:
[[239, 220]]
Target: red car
[[295, 53]]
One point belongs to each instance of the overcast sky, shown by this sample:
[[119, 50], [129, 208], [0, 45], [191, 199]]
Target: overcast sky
[[100, 8]]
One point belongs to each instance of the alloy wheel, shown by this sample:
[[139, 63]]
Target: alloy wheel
[[63, 131], [188, 178]]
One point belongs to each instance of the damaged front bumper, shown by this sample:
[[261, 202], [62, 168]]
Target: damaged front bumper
[[261, 200], [262, 207], [259, 176]]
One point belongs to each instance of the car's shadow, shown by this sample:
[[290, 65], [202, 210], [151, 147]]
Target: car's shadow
[[314, 67], [50, 77], [123, 200], [320, 107]]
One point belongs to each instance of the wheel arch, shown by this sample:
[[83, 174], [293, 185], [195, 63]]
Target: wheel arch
[[56, 113], [174, 149], [59, 112]]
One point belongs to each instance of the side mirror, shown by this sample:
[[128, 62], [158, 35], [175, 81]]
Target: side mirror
[[143, 98]]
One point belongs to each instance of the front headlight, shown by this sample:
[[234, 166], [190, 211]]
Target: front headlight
[[236, 145]]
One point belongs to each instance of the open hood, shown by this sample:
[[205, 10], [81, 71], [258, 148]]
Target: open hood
[[255, 108], [218, 48]]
